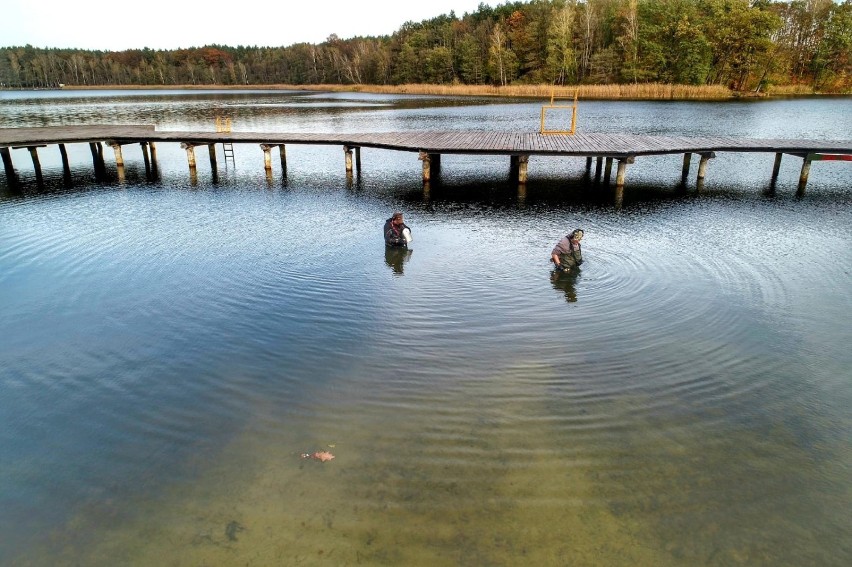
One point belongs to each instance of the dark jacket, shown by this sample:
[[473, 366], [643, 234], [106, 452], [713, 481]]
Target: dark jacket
[[393, 235]]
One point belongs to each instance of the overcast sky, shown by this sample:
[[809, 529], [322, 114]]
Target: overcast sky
[[170, 24]]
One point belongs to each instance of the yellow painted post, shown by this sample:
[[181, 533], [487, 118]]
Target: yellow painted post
[[574, 112]]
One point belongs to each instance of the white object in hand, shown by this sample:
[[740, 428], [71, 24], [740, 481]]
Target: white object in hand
[[406, 233]]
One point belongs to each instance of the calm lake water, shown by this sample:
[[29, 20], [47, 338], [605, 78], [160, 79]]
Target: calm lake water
[[171, 347]]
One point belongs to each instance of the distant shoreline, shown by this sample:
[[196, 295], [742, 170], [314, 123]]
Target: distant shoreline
[[646, 91]]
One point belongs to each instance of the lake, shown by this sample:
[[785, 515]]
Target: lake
[[173, 347]]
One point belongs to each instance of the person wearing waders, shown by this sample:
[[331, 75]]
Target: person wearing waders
[[567, 253], [397, 233]]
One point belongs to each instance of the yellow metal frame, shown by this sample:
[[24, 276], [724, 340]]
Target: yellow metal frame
[[553, 106], [223, 125]]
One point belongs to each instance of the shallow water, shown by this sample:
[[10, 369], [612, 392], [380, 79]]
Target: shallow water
[[171, 347]]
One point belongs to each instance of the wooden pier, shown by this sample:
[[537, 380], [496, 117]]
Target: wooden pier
[[618, 149]]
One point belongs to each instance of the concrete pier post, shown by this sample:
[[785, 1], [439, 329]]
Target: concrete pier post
[[211, 151], [348, 153], [598, 168], [267, 157], [358, 159], [522, 169], [803, 176], [36, 163], [427, 166], [607, 170], [282, 153], [119, 160], [622, 170], [619, 176], [8, 166], [588, 165], [702, 165], [618, 197], [776, 168], [687, 158], [190, 156]]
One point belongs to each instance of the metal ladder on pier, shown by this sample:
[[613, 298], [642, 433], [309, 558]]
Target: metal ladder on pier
[[227, 147]]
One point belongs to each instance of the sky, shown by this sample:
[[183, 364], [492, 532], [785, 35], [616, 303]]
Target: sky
[[171, 24]]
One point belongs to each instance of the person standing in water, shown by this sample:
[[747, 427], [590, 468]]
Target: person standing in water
[[397, 233], [567, 253]]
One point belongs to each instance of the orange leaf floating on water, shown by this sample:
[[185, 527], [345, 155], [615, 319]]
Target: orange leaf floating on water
[[322, 456]]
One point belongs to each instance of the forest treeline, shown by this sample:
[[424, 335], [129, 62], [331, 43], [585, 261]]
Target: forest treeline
[[741, 44]]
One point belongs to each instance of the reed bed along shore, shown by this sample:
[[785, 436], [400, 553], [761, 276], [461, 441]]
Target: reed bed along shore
[[647, 91], [643, 91]]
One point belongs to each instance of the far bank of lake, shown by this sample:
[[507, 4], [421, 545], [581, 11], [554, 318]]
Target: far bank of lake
[[644, 91]]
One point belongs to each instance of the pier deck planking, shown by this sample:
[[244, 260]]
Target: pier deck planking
[[437, 142], [624, 147]]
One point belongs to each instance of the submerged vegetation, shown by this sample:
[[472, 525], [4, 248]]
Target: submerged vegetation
[[610, 48]]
